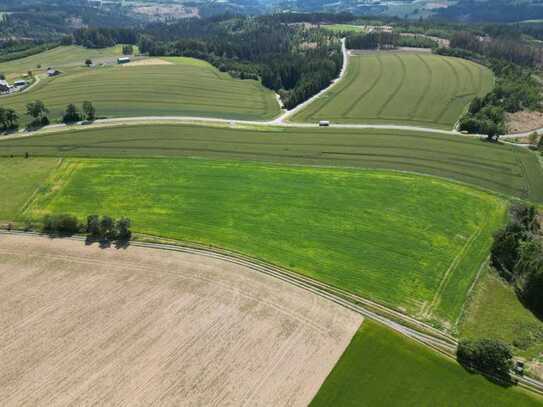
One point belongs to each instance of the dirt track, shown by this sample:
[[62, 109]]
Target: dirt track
[[84, 325]]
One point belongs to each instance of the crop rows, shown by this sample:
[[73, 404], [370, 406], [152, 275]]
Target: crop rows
[[177, 89], [500, 168], [402, 88]]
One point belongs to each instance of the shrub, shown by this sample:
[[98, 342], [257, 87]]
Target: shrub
[[487, 356], [62, 224], [71, 115]]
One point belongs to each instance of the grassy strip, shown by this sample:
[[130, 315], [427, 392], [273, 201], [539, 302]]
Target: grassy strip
[[381, 367], [494, 311]]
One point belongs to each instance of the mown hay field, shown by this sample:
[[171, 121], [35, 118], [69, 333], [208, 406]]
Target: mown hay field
[[59, 57], [87, 325], [381, 367], [181, 88], [415, 89], [496, 167], [405, 240]]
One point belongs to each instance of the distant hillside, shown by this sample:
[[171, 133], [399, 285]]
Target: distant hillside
[[493, 10]]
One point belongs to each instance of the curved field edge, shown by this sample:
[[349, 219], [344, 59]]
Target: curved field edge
[[381, 367], [499, 168], [181, 87], [414, 95], [398, 239]]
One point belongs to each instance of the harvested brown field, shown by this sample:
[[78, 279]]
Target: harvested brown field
[[524, 121], [147, 62], [81, 325]]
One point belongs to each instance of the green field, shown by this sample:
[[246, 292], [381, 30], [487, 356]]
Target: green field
[[405, 240], [182, 88], [20, 178], [416, 89], [60, 57], [382, 368], [500, 168], [494, 311]]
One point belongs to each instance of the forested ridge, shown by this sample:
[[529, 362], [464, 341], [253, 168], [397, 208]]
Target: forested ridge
[[291, 58]]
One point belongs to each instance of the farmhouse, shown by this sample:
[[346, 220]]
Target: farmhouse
[[123, 60], [52, 72]]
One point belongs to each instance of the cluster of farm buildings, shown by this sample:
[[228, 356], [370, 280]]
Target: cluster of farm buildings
[[21, 84]]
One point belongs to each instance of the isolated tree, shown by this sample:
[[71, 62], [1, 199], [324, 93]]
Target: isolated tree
[[2, 76], [107, 227], [11, 119], [93, 225], [71, 115], [89, 110], [128, 49], [488, 356], [123, 229], [38, 112], [532, 138], [526, 216], [88, 62]]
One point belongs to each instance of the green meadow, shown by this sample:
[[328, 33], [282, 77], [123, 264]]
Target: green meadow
[[184, 87], [383, 368], [20, 179], [494, 311], [416, 89], [404, 240]]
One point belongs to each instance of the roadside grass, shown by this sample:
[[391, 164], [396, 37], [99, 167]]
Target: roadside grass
[[60, 57], [383, 368], [502, 168], [413, 89], [386, 236], [185, 88], [494, 311], [19, 179]]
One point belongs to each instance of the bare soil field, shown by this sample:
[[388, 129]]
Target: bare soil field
[[82, 325], [524, 121], [147, 62]]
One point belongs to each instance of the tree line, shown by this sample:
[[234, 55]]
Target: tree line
[[97, 228], [39, 115], [517, 255], [388, 40], [291, 59]]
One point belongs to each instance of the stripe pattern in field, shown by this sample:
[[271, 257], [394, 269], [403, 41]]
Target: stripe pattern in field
[[177, 89], [416, 89], [502, 168]]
